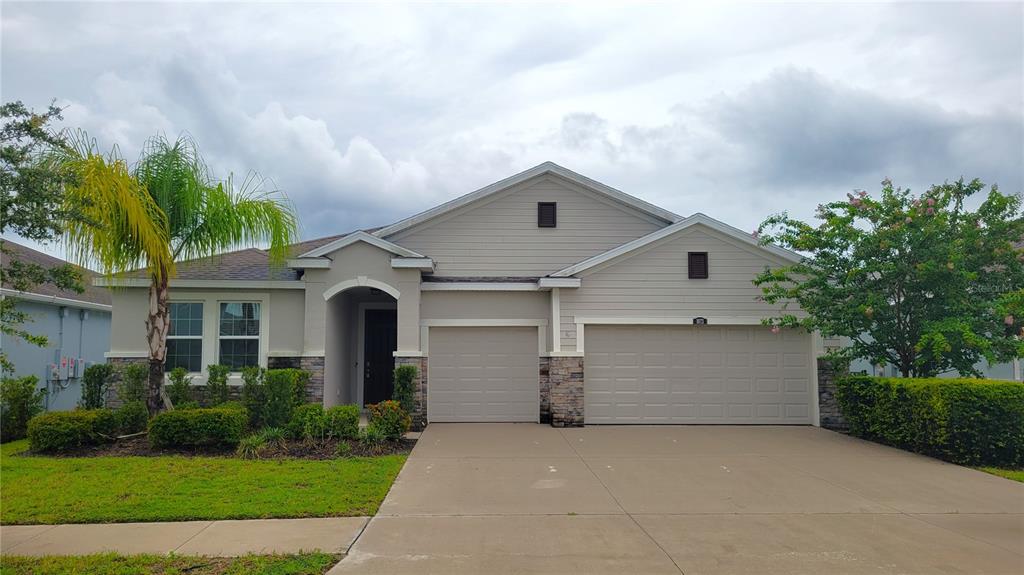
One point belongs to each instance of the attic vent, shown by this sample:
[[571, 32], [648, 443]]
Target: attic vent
[[546, 214], [697, 265]]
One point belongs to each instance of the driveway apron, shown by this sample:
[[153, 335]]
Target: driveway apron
[[526, 498]]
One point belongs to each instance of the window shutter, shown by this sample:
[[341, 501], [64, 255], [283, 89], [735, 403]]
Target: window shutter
[[697, 264], [546, 217]]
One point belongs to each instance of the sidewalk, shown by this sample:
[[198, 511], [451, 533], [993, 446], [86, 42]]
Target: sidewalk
[[210, 538]]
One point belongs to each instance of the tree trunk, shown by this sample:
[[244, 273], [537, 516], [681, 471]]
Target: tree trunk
[[157, 326]]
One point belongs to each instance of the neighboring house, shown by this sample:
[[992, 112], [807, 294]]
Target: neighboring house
[[546, 296], [76, 325], [1008, 371]]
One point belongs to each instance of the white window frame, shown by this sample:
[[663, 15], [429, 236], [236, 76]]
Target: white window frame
[[260, 354], [202, 350]]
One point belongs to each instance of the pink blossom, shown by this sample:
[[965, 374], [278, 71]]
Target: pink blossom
[[776, 329], [756, 234], [930, 211], [1008, 320], [931, 201], [862, 194]]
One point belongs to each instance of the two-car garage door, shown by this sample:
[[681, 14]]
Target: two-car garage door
[[483, 374], [696, 374]]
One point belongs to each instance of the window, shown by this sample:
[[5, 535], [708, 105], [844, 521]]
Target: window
[[546, 214], [239, 339], [697, 265], [185, 338]]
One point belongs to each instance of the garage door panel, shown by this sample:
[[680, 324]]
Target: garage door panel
[[686, 374], [483, 374]]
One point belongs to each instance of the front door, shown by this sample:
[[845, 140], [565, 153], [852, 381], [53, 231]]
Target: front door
[[380, 340]]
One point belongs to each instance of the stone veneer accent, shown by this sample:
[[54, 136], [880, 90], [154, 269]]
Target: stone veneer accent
[[112, 400], [314, 391], [828, 407], [565, 375], [313, 364], [545, 389], [419, 410]]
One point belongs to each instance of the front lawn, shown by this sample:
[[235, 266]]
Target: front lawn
[[1014, 474], [304, 564], [50, 490]]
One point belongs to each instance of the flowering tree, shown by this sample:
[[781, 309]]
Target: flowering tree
[[919, 282]]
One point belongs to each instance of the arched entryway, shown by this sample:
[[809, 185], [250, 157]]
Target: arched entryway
[[361, 337]]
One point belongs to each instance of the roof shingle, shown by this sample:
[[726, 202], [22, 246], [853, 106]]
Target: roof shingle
[[92, 294]]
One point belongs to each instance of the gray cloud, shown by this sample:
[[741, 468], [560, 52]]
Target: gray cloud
[[366, 114]]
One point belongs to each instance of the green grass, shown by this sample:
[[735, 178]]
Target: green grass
[[112, 564], [1014, 474], [46, 490]]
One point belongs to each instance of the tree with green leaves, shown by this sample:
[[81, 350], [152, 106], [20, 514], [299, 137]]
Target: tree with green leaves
[[33, 206], [186, 214], [922, 283]]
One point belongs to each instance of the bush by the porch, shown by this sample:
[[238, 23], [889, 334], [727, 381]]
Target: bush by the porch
[[389, 419], [966, 421], [272, 395], [211, 427], [405, 376]]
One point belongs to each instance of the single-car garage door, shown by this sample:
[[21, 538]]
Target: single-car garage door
[[696, 374], [483, 374]]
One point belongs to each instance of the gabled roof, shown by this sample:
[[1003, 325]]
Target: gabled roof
[[545, 168], [361, 236], [679, 226], [28, 255]]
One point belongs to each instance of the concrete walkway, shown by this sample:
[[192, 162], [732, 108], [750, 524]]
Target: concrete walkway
[[521, 498], [211, 538]]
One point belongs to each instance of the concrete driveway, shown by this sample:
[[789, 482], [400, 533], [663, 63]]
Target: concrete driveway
[[523, 498]]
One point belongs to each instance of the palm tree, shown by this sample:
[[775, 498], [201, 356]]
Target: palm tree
[[177, 211]]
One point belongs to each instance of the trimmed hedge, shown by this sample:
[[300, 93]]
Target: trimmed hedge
[[343, 421], [966, 421], [65, 430], [210, 427]]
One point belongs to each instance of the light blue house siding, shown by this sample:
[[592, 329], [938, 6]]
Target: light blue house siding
[[72, 332], [1005, 371]]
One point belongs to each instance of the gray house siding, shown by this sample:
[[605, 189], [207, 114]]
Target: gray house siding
[[500, 237], [74, 336], [653, 283]]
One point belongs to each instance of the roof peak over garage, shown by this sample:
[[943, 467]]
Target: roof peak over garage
[[538, 170]]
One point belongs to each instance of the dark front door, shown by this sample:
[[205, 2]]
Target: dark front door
[[379, 343]]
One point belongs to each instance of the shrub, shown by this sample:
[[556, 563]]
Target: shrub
[[252, 446], [132, 417], [134, 381], [301, 414], [217, 384], [178, 389], [65, 430], [193, 404], [20, 401], [210, 427], [275, 436], [344, 449], [95, 382], [390, 419], [253, 395], [315, 430], [373, 438], [343, 421], [405, 375], [966, 421], [283, 390]]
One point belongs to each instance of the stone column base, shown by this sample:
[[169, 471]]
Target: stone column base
[[313, 364], [111, 400], [419, 410], [828, 408], [566, 391]]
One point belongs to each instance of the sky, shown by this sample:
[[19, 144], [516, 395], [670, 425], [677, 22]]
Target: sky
[[364, 114]]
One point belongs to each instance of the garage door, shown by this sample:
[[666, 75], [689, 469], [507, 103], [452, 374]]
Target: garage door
[[696, 374], [483, 374]]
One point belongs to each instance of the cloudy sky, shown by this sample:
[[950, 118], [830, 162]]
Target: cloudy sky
[[366, 114]]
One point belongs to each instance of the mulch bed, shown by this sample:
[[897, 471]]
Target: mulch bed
[[292, 449]]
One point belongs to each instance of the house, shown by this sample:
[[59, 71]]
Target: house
[[76, 326], [546, 296]]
